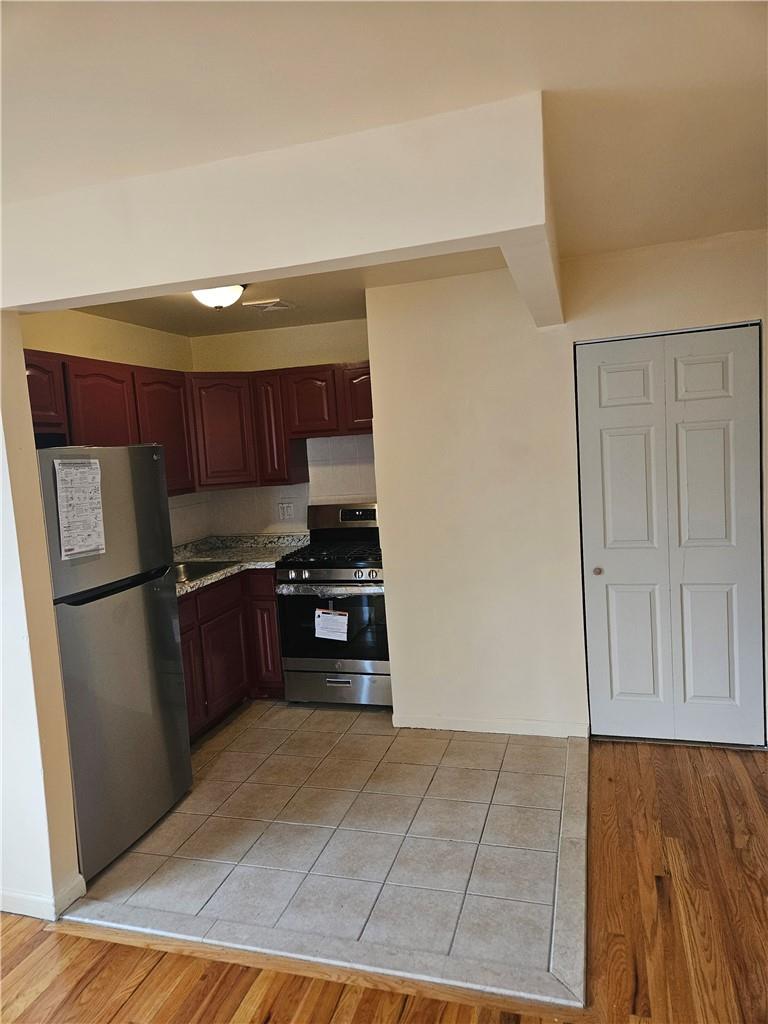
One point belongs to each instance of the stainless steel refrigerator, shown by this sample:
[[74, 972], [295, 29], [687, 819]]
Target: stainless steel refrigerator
[[109, 543]]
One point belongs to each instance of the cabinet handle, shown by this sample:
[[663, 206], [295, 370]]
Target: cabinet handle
[[338, 682]]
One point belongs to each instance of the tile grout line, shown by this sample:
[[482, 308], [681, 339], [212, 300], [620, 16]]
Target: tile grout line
[[551, 949], [477, 850], [397, 854], [213, 813], [330, 840]]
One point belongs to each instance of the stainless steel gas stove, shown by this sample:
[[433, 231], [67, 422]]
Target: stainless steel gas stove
[[331, 603]]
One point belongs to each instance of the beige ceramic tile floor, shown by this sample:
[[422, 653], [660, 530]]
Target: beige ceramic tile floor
[[328, 833]]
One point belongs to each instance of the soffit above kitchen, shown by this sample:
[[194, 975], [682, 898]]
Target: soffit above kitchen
[[311, 299], [655, 112]]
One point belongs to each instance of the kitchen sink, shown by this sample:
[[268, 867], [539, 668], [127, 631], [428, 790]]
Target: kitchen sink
[[188, 572]]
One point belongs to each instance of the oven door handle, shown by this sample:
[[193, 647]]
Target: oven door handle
[[328, 590]]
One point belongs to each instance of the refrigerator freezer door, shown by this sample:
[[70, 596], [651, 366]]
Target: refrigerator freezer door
[[137, 532], [126, 715]]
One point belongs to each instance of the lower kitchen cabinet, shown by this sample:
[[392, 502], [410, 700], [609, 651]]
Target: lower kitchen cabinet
[[212, 624], [192, 662], [265, 667], [230, 645], [223, 644]]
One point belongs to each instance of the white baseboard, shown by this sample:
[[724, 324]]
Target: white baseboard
[[48, 908], [524, 726], [29, 904]]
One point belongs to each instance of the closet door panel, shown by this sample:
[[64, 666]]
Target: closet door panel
[[622, 448], [713, 464]]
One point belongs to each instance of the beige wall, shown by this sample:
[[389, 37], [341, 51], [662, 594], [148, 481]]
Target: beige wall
[[343, 342], [82, 334], [446, 183], [39, 855], [477, 477]]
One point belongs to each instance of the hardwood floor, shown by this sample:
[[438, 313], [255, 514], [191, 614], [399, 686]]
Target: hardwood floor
[[678, 927]]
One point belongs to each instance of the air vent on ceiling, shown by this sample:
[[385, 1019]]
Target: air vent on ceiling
[[267, 305]]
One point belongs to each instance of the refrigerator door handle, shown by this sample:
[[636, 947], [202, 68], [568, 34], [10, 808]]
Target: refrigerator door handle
[[108, 589]]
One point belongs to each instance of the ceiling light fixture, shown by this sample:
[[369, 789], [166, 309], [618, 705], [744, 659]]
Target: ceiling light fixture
[[218, 298]]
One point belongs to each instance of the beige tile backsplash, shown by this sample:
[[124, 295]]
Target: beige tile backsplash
[[340, 469]]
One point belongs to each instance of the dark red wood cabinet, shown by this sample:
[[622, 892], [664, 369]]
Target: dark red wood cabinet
[[353, 385], [164, 418], [192, 662], [225, 429], [102, 402], [265, 667], [45, 381], [213, 651], [309, 401], [280, 459], [223, 645]]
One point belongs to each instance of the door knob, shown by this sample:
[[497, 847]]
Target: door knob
[[597, 571]]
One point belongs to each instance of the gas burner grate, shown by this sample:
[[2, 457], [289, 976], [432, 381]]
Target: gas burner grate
[[334, 554]]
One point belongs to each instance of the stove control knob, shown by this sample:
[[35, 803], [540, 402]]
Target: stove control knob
[[291, 574], [358, 574], [305, 574], [372, 574]]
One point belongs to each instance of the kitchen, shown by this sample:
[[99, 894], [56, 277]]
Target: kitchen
[[296, 765], [543, 592], [218, 431]]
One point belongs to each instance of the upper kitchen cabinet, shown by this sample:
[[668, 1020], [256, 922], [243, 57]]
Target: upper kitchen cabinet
[[102, 402], [164, 418], [353, 384], [45, 381], [279, 459], [309, 401], [224, 422]]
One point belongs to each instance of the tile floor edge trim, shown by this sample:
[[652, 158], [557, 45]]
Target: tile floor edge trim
[[445, 969], [519, 726], [569, 925], [556, 998]]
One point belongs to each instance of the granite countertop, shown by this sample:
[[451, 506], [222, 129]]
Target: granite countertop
[[253, 551]]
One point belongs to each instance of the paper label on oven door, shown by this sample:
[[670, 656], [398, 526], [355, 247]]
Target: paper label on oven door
[[330, 625], [81, 517]]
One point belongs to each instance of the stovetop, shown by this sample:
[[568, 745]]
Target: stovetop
[[334, 555]]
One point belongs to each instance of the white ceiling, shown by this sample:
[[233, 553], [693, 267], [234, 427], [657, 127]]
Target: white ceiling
[[316, 298], [655, 112]]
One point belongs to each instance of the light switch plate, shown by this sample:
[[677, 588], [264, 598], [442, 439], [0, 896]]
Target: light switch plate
[[285, 510]]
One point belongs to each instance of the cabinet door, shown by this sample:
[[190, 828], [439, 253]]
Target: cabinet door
[[223, 644], [192, 661], [355, 403], [226, 451], [271, 442], [266, 663], [102, 402], [309, 401], [161, 401], [45, 381]]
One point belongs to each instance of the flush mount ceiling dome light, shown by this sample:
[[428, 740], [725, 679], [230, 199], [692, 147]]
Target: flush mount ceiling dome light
[[218, 298]]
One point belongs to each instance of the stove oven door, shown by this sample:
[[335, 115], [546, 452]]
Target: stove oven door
[[355, 669]]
